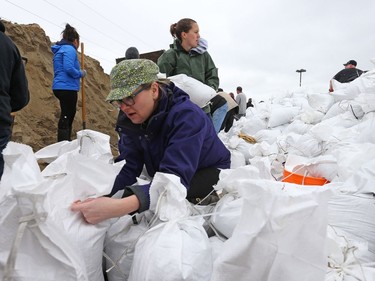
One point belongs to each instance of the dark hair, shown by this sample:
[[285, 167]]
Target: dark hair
[[239, 88], [183, 25], [69, 33], [2, 26]]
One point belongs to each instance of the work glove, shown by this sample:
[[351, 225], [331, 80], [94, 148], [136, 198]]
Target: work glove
[[83, 73]]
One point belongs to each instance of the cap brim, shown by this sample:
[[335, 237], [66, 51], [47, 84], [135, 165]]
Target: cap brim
[[118, 94]]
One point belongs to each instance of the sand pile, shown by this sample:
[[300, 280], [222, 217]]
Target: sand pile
[[36, 125]]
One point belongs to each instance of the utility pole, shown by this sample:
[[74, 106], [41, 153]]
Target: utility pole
[[300, 75]]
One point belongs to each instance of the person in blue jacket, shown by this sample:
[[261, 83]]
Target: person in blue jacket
[[162, 130], [66, 81], [14, 91]]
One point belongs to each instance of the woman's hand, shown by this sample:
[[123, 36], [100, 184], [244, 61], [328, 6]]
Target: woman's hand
[[96, 210]]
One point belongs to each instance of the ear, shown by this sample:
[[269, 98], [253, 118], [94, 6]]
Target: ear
[[183, 35], [155, 90]]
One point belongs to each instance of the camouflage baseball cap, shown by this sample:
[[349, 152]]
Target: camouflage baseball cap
[[128, 75]]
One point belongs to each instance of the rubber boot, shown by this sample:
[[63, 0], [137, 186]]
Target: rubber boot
[[70, 133], [63, 132]]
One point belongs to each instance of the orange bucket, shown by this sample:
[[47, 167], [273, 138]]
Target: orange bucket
[[302, 180]]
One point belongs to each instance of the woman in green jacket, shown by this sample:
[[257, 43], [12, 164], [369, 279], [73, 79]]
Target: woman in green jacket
[[188, 55]]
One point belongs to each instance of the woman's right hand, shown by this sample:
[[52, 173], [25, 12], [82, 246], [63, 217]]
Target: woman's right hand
[[96, 210]]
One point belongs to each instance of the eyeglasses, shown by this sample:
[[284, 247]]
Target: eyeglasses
[[130, 99]]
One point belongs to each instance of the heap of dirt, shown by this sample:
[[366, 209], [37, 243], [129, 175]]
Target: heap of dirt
[[36, 124]]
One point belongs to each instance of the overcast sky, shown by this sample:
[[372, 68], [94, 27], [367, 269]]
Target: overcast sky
[[256, 44]]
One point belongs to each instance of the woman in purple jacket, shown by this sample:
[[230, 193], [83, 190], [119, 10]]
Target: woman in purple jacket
[[66, 81], [162, 130]]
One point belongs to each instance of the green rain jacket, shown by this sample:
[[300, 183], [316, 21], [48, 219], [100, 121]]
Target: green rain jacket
[[199, 66]]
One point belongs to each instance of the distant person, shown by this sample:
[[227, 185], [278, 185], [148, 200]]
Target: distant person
[[66, 81], [232, 96], [14, 92], [188, 55], [348, 74], [231, 112], [218, 109], [241, 100], [161, 130], [249, 103]]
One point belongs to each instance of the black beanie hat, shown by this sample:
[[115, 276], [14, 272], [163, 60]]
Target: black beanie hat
[[131, 53]]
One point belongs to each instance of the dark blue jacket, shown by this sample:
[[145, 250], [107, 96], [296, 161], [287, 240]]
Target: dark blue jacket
[[66, 67], [14, 92], [178, 139]]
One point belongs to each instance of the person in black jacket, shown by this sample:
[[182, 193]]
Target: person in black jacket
[[14, 92], [348, 74]]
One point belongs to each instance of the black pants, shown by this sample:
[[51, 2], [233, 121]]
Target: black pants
[[68, 105], [202, 184], [228, 120]]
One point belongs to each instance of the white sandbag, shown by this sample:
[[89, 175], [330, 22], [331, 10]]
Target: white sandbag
[[217, 246], [351, 157], [348, 91], [323, 166], [269, 136], [239, 144], [168, 197], [366, 128], [320, 102], [39, 250], [344, 91], [227, 214], [173, 250], [87, 239], [179, 243], [199, 93], [84, 178], [237, 159], [252, 125], [348, 259], [362, 180], [298, 127], [20, 166], [354, 107], [51, 152], [310, 116], [307, 145], [95, 145], [280, 115], [227, 211], [354, 214], [335, 129], [268, 166], [69, 178], [89, 143], [280, 236], [367, 102], [120, 242], [32, 245]]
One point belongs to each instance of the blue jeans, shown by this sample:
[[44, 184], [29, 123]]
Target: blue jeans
[[218, 117], [3, 143]]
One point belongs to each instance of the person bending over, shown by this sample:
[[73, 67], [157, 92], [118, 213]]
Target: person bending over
[[162, 130]]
